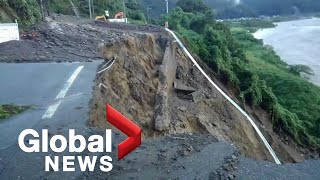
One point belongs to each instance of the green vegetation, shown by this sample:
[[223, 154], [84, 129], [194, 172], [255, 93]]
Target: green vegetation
[[283, 7], [153, 9], [230, 9], [27, 12], [133, 9], [9, 110], [251, 25], [257, 74], [297, 108], [254, 70], [298, 69], [317, 15]]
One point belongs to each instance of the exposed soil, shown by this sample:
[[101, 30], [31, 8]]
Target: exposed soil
[[131, 86], [66, 40]]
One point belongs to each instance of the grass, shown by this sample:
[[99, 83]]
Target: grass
[[9, 110], [259, 76], [250, 25], [139, 22], [297, 110]]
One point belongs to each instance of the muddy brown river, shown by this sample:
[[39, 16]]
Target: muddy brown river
[[296, 42]]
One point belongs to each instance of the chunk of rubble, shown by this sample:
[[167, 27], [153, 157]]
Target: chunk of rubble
[[183, 109], [180, 87], [166, 76], [197, 96]]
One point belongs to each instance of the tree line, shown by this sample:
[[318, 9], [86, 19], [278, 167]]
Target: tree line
[[257, 75]]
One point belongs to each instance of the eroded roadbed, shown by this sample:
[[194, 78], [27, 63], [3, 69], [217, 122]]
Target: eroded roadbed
[[60, 94]]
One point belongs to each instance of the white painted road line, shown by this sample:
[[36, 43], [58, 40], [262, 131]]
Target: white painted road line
[[66, 87], [52, 109]]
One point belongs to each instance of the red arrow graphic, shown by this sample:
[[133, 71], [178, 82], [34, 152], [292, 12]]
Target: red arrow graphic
[[127, 127]]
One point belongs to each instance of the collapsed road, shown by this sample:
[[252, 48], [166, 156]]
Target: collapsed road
[[189, 131]]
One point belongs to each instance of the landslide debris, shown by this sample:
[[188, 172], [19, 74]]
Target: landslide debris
[[172, 157], [54, 42], [152, 83], [66, 39]]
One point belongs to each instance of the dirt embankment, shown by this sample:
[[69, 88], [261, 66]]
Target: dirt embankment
[[66, 39], [152, 83]]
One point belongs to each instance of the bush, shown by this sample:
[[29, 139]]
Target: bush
[[10, 109], [298, 69], [28, 11], [293, 102], [258, 74]]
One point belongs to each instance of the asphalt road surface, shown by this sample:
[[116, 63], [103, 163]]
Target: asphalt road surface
[[60, 90], [60, 95]]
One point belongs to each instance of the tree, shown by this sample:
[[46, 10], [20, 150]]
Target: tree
[[28, 11], [299, 68], [193, 6]]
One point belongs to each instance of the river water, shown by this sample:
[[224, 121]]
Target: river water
[[296, 42]]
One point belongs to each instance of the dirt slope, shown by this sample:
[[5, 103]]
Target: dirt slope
[[140, 85], [66, 39]]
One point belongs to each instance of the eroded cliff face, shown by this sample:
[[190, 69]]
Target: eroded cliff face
[[131, 82], [149, 80]]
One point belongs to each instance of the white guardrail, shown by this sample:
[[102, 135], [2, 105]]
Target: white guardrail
[[9, 32], [273, 154]]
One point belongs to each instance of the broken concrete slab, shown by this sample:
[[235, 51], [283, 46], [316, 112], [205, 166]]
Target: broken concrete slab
[[167, 73], [162, 120], [178, 86], [197, 96], [183, 109]]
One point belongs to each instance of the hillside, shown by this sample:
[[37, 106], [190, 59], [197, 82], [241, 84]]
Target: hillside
[[133, 8], [215, 45], [138, 85], [26, 12], [156, 8], [244, 8], [190, 128]]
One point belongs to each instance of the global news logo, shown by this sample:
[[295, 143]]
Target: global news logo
[[94, 144]]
